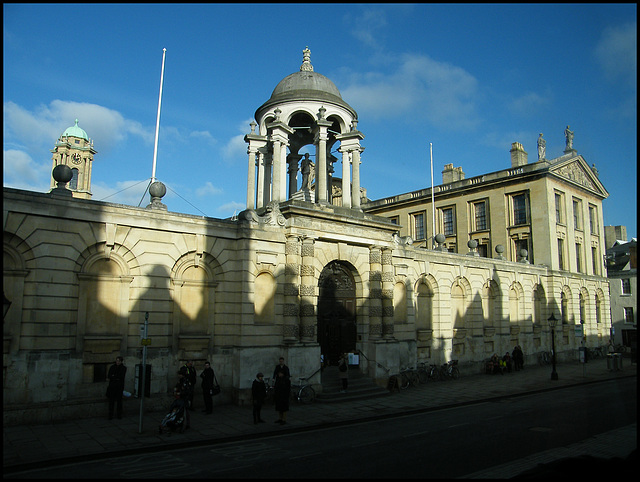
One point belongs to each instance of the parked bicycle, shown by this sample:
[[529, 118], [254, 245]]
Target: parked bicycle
[[544, 358], [408, 377], [302, 391], [427, 373], [449, 370]]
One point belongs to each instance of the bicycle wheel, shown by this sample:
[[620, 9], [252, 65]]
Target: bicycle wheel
[[404, 380], [455, 373], [307, 394], [414, 379]]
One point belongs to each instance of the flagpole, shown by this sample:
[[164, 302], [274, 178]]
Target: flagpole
[[433, 207], [155, 147]]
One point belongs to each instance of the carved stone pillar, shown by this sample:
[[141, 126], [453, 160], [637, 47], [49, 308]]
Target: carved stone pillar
[[321, 146], [251, 179], [346, 179], [355, 167], [375, 292], [308, 291], [291, 289], [387, 293], [264, 179]]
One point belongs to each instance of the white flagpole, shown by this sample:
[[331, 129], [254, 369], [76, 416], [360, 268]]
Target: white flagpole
[[433, 206], [155, 147]]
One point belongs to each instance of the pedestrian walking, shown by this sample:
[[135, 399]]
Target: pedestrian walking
[[518, 358], [281, 393], [116, 375], [207, 376], [259, 394], [343, 372], [191, 376]]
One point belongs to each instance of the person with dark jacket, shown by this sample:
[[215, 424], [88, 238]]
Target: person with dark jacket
[[281, 394], [518, 358], [259, 393], [191, 376], [207, 376], [116, 376]]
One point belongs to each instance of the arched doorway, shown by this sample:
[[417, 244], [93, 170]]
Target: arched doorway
[[336, 311]]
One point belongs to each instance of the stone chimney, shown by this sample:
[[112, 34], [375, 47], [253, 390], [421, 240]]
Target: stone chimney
[[518, 156], [451, 174]]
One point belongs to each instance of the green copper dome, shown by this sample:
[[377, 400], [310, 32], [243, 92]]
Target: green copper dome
[[75, 131]]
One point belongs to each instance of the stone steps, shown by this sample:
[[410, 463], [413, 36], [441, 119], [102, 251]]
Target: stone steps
[[360, 387]]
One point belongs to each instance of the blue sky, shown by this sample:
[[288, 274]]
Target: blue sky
[[470, 79]]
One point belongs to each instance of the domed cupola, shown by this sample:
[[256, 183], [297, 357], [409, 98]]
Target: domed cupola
[[305, 85], [75, 131], [305, 108]]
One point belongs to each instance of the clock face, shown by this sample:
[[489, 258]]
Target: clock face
[[75, 158]]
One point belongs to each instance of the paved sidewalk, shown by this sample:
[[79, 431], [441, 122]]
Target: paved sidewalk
[[40, 445]]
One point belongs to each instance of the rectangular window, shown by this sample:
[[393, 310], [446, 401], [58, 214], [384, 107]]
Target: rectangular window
[[480, 216], [519, 246], [520, 209], [626, 286], [394, 220], [418, 225], [578, 258], [448, 222], [595, 260], [559, 216], [561, 253], [628, 315], [483, 250], [577, 214], [593, 220]]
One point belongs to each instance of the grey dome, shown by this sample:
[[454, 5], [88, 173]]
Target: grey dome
[[305, 85]]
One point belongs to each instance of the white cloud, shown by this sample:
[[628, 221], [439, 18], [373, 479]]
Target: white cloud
[[208, 190], [529, 104], [617, 53], [420, 88], [21, 172]]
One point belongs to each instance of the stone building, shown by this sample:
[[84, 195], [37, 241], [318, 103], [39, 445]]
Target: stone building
[[308, 270], [622, 270]]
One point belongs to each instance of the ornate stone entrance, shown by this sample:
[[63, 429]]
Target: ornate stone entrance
[[336, 311]]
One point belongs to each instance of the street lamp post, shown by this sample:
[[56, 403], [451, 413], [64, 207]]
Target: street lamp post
[[552, 324]]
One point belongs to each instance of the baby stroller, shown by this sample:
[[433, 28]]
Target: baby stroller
[[175, 419]]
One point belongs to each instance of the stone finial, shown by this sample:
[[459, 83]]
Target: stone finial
[[306, 61], [157, 190], [499, 250], [253, 127], [62, 175]]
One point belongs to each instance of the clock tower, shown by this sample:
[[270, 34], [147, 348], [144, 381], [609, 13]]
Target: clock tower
[[75, 149]]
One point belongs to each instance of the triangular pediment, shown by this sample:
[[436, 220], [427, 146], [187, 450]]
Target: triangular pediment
[[577, 171]]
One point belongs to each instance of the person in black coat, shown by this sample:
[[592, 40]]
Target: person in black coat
[[207, 376], [281, 393], [259, 394], [184, 390], [116, 376], [191, 376]]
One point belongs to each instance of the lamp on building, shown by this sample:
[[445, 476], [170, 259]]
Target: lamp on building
[[552, 324], [5, 305]]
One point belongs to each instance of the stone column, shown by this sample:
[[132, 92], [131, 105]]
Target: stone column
[[260, 181], [375, 292], [277, 169], [266, 186], [387, 293], [346, 179], [251, 179], [308, 291], [291, 313], [355, 167], [321, 155]]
